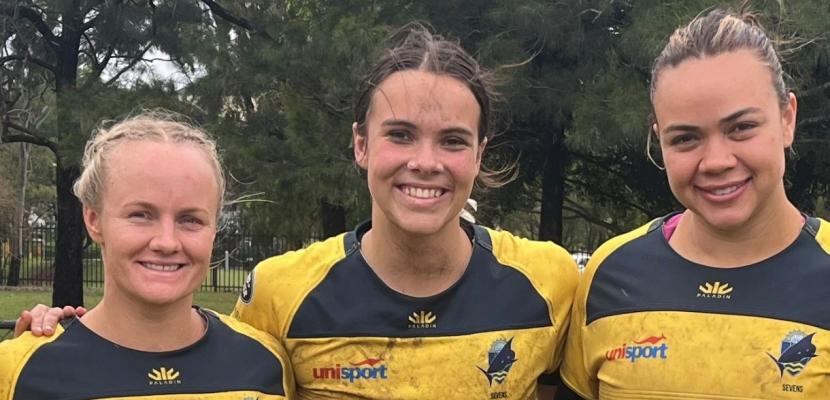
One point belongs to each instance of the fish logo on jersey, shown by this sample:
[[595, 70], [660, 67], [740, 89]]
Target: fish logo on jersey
[[248, 288], [500, 358], [797, 349]]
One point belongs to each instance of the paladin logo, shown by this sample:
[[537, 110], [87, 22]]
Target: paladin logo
[[423, 319], [164, 376], [714, 291]]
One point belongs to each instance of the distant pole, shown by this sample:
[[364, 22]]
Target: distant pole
[[227, 261]]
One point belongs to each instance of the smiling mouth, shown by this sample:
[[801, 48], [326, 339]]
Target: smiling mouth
[[420, 193], [162, 267], [724, 191]]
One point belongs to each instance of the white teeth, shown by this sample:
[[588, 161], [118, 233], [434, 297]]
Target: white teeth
[[422, 193], [725, 191], [160, 267]]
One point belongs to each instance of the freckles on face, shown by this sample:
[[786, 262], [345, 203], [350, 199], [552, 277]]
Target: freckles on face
[[157, 219], [421, 147]]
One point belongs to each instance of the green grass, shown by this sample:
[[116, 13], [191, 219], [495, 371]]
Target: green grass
[[14, 300]]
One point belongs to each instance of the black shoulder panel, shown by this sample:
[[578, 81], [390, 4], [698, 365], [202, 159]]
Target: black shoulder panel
[[81, 365], [647, 275], [352, 301]]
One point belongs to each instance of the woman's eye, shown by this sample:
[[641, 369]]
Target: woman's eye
[[399, 135], [454, 141], [743, 127], [683, 140], [192, 221], [139, 215]]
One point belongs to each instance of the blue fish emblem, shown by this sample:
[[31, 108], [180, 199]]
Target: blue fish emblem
[[500, 357], [797, 350]]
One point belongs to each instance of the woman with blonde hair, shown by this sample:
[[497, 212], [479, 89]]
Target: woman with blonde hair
[[151, 189]]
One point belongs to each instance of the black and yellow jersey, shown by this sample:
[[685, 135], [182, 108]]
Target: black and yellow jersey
[[231, 361], [649, 324], [491, 335]]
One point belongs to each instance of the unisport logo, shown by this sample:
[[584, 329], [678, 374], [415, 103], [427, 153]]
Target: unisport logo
[[365, 370], [646, 348]]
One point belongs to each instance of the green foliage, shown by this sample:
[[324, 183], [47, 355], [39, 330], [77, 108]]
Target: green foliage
[[278, 92]]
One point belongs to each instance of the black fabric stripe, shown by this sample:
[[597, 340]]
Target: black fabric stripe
[[86, 366], [647, 275], [352, 301]]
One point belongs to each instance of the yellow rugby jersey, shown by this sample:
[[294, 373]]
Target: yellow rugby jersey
[[231, 361], [492, 335], [648, 324]]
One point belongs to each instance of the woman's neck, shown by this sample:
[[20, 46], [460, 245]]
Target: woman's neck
[[417, 265], [760, 238], [139, 327]]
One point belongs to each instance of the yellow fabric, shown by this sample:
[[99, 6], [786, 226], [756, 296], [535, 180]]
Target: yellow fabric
[[690, 355], [575, 373], [823, 236], [437, 367], [14, 354], [286, 279]]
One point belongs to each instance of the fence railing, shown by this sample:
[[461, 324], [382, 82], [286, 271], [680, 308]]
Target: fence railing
[[234, 255]]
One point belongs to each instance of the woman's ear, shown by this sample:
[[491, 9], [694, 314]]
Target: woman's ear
[[788, 118], [92, 220], [359, 142], [481, 148]]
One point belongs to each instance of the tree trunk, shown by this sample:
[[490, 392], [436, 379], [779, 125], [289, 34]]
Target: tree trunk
[[68, 285], [553, 188], [333, 218], [13, 277]]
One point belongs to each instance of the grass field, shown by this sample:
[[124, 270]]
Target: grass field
[[14, 300]]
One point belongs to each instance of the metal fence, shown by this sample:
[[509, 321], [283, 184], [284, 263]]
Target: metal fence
[[234, 254]]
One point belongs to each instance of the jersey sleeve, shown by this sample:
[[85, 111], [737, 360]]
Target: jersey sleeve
[[575, 371], [14, 353], [580, 365], [276, 287], [562, 295], [554, 274], [271, 344], [256, 305]]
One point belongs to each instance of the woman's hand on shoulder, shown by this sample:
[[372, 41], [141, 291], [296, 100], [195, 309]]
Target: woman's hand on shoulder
[[42, 319]]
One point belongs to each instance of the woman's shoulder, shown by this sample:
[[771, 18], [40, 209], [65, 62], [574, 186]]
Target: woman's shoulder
[[321, 254], [509, 245]]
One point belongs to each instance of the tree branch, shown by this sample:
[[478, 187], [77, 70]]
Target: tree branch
[[226, 15], [813, 90], [584, 214], [592, 188], [26, 136], [136, 60], [99, 66], [36, 61], [813, 121], [35, 18]]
